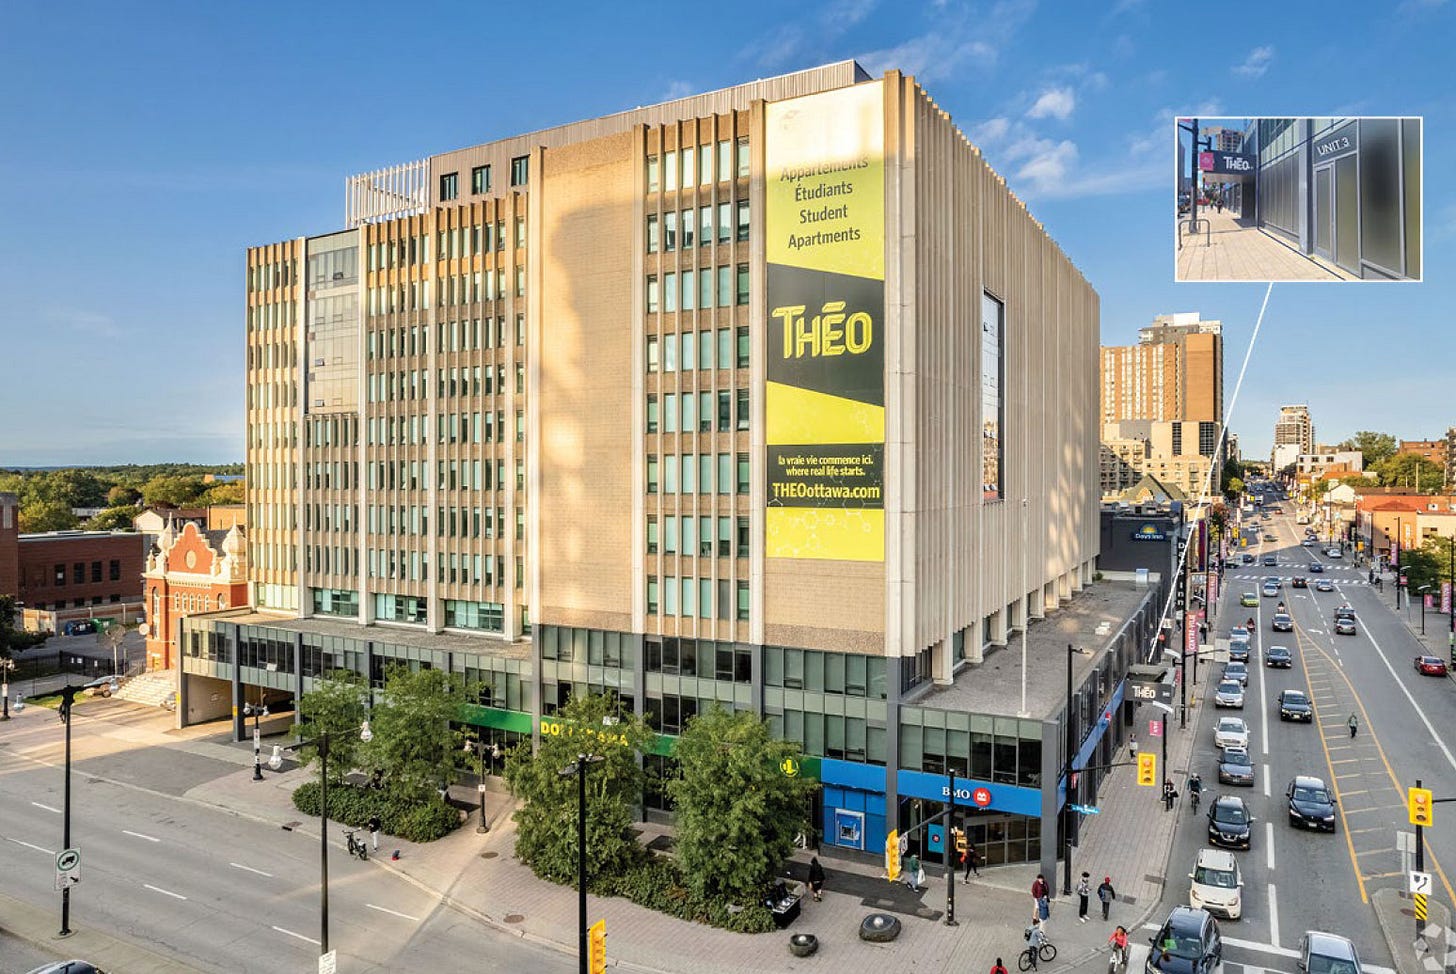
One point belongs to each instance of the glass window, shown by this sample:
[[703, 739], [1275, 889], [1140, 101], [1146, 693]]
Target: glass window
[[652, 294], [669, 291], [689, 170], [689, 296], [652, 241], [705, 226], [669, 422], [725, 291], [669, 231], [653, 169], [743, 469], [705, 164], [480, 182], [689, 593], [652, 534], [652, 595], [705, 411], [705, 290], [725, 222], [725, 472], [705, 475], [743, 219], [725, 346], [742, 283], [652, 414], [1380, 201], [743, 347], [743, 408], [742, 155], [993, 412], [669, 535], [449, 186], [669, 171], [705, 598], [689, 469], [725, 160], [669, 353], [689, 354], [689, 410], [669, 477], [689, 223], [743, 601], [652, 475], [520, 170], [651, 353], [669, 596]]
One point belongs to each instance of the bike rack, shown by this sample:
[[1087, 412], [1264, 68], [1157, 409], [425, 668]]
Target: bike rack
[[1193, 227]]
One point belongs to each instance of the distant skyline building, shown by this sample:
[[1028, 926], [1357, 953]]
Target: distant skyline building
[[1295, 428]]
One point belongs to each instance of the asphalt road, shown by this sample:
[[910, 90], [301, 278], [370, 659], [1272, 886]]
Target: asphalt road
[[212, 890], [1296, 880]]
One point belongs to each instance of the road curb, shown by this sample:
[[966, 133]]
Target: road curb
[[20, 919], [1399, 932]]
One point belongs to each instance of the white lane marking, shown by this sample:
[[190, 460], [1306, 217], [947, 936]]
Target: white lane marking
[[29, 846], [1317, 632], [238, 865], [1273, 908], [1435, 738], [396, 913], [149, 838], [298, 935], [164, 892], [1263, 699], [1269, 843], [46, 807], [1266, 785]]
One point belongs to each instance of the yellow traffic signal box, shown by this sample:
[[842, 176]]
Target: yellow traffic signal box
[[596, 943], [1147, 768], [1422, 812], [960, 841]]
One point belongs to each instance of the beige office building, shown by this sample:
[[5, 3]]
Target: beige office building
[[1293, 428], [757, 396]]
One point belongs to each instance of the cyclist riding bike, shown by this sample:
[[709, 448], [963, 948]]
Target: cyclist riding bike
[[1118, 943], [1195, 788]]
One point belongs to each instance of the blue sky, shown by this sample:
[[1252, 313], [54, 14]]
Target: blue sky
[[146, 145]]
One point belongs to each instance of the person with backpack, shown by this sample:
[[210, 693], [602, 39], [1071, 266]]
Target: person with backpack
[[998, 967], [1106, 894], [1084, 890]]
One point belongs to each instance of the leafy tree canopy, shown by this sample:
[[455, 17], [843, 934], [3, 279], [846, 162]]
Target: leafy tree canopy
[[1373, 446], [112, 519], [1410, 470], [737, 811], [46, 515], [335, 705], [122, 495], [413, 744], [12, 638], [546, 819]]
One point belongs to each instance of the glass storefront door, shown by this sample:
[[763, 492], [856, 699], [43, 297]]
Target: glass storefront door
[[1324, 212], [1347, 215]]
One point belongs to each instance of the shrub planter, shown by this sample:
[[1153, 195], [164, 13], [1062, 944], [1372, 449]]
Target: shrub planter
[[879, 928], [803, 944]]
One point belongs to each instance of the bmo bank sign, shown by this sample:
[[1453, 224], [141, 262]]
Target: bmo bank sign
[[1226, 163]]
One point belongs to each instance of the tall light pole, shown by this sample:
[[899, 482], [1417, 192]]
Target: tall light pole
[[68, 698], [6, 665], [480, 749], [256, 712], [578, 768]]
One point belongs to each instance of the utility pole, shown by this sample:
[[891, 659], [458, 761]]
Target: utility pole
[[950, 919], [1071, 736], [68, 698]]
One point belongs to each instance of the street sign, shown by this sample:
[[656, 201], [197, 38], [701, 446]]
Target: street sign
[[1420, 883], [329, 963], [68, 868], [1086, 809]]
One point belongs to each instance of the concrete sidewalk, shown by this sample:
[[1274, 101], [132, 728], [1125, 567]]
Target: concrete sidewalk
[[1234, 249]]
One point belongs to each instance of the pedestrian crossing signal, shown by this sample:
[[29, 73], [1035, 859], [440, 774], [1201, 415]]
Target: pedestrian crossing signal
[[960, 841], [596, 943], [1147, 768], [1421, 810]]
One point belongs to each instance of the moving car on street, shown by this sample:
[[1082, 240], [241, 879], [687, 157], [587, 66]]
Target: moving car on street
[[1235, 767], [1271, 560], [1238, 672], [1327, 953], [1299, 581], [1217, 885], [1316, 567], [1239, 650], [1270, 590], [1324, 585], [1344, 625], [1249, 600], [1278, 657], [1229, 694], [1229, 822], [1311, 805], [1430, 666], [1333, 552], [1231, 732], [1188, 942], [1294, 705], [1282, 622]]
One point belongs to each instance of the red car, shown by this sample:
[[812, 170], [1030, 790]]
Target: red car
[[1430, 666]]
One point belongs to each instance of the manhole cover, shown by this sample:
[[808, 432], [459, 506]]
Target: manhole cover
[[489, 855], [514, 918]]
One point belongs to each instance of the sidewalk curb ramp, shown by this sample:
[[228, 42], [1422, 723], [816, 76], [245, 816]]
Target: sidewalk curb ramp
[[1394, 912]]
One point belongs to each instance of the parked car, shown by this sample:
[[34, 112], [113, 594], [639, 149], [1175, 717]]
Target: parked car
[[1311, 805], [1430, 666], [1231, 732], [1249, 600], [78, 627], [1309, 542], [1235, 767], [1238, 672], [1229, 694], [1278, 657], [1294, 705], [1229, 822], [1324, 585], [1188, 942], [1327, 953], [1217, 884]]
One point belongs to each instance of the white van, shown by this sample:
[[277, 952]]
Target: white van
[[1217, 884]]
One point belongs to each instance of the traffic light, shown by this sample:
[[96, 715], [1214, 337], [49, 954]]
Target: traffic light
[[1422, 812], [596, 944], [892, 855], [960, 842], [1147, 768]]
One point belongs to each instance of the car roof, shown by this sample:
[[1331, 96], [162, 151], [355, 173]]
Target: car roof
[[1216, 859], [1307, 781], [1230, 800], [1291, 693], [1186, 918], [1329, 945]]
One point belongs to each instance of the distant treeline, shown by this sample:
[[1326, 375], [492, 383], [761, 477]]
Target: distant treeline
[[47, 497]]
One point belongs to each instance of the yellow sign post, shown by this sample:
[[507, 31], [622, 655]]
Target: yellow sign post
[[892, 855], [596, 943], [1147, 768]]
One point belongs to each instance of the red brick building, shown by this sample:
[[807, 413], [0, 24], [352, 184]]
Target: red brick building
[[9, 544], [187, 572]]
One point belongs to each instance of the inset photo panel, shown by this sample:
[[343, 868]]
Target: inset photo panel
[[1334, 199]]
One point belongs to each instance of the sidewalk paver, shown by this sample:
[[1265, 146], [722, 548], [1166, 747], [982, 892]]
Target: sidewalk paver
[[1235, 249]]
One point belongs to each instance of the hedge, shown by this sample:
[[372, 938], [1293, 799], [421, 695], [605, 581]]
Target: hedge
[[657, 884], [354, 805]]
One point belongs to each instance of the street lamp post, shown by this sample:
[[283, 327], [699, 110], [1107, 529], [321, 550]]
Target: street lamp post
[[256, 712], [68, 697], [6, 665], [481, 750], [1422, 593], [1072, 738], [578, 768]]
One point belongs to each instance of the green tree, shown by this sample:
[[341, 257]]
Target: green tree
[[224, 494], [546, 820], [1233, 488], [122, 496], [335, 705], [1373, 446], [12, 638], [74, 487], [1410, 470], [737, 811], [112, 519], [172, 491], [46, 515], [413, 744]]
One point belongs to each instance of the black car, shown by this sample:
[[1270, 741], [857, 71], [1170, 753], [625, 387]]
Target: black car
[[1278, 657], [1282, 622], [1294, 705], [1229, 823], [1311, 804], [1235, 767], [1299, 581], [1246, 559], [1188, 942], [1316, 567], [1239, 651]]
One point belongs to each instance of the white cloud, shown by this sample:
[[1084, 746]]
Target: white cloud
[[678, 89], [1054, 103], [990, 132], [1050, 166], [965, 37], [846, 13], [86, 322], [1256, 63]]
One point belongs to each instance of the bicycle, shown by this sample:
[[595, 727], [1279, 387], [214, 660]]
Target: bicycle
[[1028, 958], [357, 847], [1117, 962]]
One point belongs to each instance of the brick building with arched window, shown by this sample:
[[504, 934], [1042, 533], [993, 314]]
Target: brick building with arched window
[[188, 572]]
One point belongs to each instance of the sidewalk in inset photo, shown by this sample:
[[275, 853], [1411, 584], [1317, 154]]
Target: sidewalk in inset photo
[[1232, 248]]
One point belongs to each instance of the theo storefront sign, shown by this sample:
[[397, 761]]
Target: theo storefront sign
[[1226, 163]]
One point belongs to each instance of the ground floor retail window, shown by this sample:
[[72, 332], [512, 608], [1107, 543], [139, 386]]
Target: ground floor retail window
[[1001, 838]]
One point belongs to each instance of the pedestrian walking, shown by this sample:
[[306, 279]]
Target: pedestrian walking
[[1170, 794], [1084, 890], [816, 878], [914, 873], [1106, 894], [972, 862], [374, 826], [1354, 724], [1041, 908], [998, 967]]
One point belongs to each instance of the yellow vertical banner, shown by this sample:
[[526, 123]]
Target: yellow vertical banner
[[825, 390]]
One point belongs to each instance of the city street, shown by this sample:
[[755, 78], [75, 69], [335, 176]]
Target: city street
[[214, 891]]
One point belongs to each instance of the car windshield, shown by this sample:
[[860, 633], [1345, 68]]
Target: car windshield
[[1231, 813], [1231, 725], [1305, 794], [1237, 757], [1230, 687], [1220, 878], [1293, 696], [1185, 947]]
